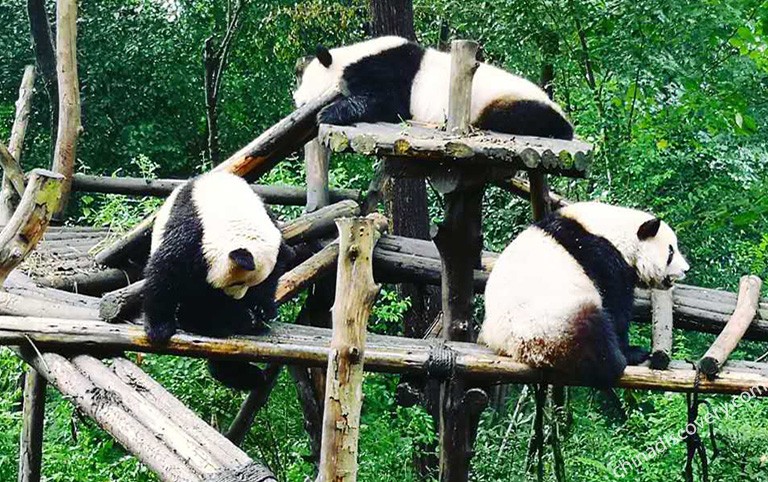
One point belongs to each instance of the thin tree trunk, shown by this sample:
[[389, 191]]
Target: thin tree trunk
[[42, 42]]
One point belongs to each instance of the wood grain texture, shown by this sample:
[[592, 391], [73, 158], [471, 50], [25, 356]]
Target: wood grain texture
[[13, 175], [661, 328], [355, 294]]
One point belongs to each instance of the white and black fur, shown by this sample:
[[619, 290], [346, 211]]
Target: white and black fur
[[390, 79], [561, 294], [215, 260]]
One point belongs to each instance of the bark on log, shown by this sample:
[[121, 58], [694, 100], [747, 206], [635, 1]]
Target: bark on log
[[29, 221], [33, 420], [726, 342], [107, 409], [13, 176], [15, 305], [661, 329], [21, 285], [168, 431], [316, 159], [249, 473], [355, 294], [69, 128], [251, 162], [308, 346], [123, 304], [224, 451], [135, 186], [93, 284]]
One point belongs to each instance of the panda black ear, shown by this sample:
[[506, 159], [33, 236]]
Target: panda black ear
[[324, 56], [649, 229], [243, 258]]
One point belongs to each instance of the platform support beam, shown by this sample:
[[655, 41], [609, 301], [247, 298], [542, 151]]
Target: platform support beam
[[31, 446]]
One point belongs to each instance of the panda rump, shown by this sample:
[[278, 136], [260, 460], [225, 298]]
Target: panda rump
[[214, 263], [390, 79]]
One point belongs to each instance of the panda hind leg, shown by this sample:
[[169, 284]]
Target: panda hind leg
[[601, 362], [636, 355], [238, 375]]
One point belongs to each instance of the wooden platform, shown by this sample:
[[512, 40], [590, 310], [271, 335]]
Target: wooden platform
[[480, 148]]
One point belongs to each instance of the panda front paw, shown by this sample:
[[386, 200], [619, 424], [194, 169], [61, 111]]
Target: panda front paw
[[330, 115], [636, 355], [160, 334]]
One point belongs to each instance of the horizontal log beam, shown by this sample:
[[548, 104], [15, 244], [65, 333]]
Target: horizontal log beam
[[136, 186], [304, 345]]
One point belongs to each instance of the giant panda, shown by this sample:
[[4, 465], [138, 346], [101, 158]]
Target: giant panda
[[560, 295], [390, 79], [215, 259]]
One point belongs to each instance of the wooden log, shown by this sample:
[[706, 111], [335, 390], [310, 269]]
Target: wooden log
[[107, 410], [135, 186], [29, 221], [197, 457], [316, 159], [123, 304], [251, 473], [13, 175], [522, 189], [15, 305], [33, 420], [69, 99], [355, 294], [93, 284], [12, 169], [540, 203], [225, 452], [308, 346], [20, 284], [746, 307], [252, 161], [661, 329], [463, 66]]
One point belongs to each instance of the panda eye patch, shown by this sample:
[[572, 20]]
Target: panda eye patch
[[671, 255]]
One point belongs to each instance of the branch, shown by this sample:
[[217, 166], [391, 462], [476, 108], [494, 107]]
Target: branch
[[12, 170]]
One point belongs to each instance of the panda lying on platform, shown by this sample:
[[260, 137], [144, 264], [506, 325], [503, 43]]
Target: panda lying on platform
[[560, 295], [390, 79], [215, 260]]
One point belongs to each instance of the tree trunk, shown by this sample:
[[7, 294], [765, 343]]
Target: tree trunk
[[42, 41], [392, 17]]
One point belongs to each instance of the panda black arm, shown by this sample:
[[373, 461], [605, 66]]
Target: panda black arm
[[260, 299], [362, 108], [161, 299]]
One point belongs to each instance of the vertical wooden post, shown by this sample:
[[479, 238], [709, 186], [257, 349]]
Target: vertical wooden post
[[355, 293], [64, 155], [316, 158], [459, 241], [661, 318], [31, 446]]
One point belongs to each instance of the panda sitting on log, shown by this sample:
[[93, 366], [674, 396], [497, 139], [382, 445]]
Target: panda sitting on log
[[390, 79], [215, 260], [560, 295]]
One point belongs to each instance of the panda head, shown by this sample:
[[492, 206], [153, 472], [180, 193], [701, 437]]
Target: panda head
[[326, 69], [235, 274], [659, 262], [317, 76]]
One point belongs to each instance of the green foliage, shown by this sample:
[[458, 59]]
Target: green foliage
[[672, 94]]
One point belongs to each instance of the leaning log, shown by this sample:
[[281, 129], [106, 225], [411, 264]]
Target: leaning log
[[251, 162], [69, 98], [135, 186], [107, 409], [29, 221], [13, 175], [15, 305], [308, 346], [93, 284], [355, 293], [746, 307]]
